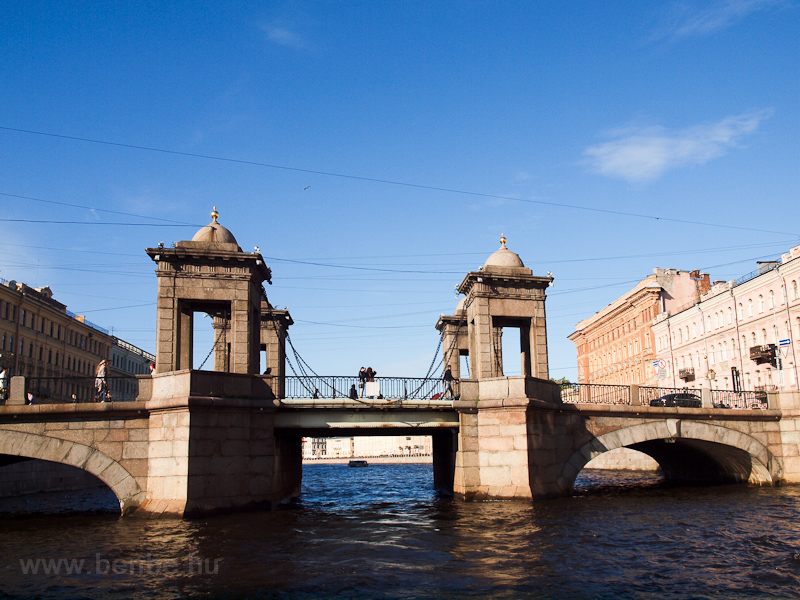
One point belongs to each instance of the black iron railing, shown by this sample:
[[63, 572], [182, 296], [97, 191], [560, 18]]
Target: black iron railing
[[390, 388], [593, 393], [728, 399], [648, 394], [57, 390]]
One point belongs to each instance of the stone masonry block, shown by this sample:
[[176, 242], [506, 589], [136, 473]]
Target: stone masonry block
[[134, 451], [136, 467], [496, 444], [113, 450], [138, 435], [168, 467], [97, 462], [78, 455]]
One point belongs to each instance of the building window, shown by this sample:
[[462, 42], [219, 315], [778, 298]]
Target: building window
[[795, 292], [730, 315], [760, 304], [771, 299], [764, 336], [750, 307]]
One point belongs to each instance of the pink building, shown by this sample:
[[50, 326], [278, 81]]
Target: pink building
[[615, 346], [742, 335]]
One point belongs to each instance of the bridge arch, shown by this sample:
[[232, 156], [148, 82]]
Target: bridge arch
[[102, 466], [685, 450]]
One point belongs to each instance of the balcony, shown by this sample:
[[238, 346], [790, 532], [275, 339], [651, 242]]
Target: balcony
[[686, 374], [763, 354]]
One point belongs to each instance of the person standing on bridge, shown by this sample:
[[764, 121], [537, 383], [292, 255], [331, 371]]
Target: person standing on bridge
[[3, 383], [448, 383], [362, 380], [101, 381]]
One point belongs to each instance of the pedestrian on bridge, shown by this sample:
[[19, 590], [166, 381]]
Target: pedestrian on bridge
[[3, 383], [101, 381], [362, 380], [353, 392], [448, 382]]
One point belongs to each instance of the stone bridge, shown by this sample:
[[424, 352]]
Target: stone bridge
[[184, 452], [202, 442]]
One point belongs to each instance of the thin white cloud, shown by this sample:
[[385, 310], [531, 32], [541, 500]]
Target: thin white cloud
[[641, 154], [694, 21], [285, 37]]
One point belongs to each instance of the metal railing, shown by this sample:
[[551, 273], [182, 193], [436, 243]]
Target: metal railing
[[728, 399], [593, 393], [648, 394], [62, 390], [765, 268], [389, 388]]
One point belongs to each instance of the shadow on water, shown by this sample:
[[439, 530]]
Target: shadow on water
[[383, 532]]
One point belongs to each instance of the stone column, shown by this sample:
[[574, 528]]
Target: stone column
[[222, 355]]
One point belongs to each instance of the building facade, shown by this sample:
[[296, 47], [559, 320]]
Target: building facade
[[616, 345], [126, 361], [41, 339], [741, 335], [367, 446]]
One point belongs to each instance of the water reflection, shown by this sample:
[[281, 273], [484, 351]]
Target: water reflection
[[382, 532]]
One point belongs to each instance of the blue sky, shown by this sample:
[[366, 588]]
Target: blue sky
[[375, 151]]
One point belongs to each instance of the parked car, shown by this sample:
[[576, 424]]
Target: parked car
[[679, 399]]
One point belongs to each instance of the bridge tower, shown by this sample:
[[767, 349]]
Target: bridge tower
[[496, 453], [213, 445], [274, 329], [502, 296], [209, 274]]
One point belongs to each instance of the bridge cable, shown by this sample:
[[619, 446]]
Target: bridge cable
[[222, 330]]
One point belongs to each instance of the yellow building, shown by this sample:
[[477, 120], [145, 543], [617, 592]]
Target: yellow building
[[41, 340]]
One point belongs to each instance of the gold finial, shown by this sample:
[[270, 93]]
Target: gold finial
[[214, 214], [502, 240]]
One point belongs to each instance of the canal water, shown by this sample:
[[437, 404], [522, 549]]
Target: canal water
[[382, 532]]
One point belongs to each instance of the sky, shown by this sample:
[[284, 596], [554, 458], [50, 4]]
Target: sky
[[376, 151]]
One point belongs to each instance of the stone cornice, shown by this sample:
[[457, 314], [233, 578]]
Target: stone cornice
[[489, 278]]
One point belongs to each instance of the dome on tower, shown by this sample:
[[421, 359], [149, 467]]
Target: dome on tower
[[504, 257], [214, 232]]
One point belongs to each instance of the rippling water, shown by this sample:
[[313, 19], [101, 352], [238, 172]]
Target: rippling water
[[382, 532]]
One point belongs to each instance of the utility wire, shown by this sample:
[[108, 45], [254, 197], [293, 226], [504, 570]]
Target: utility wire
[[95, 223], [105, 210], [384, 181]]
